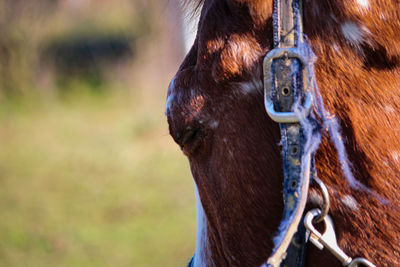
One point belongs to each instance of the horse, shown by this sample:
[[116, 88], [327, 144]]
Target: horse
[[215, 111]]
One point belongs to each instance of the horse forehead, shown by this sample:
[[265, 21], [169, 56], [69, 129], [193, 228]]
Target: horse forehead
[[196, 98], [184, 102]]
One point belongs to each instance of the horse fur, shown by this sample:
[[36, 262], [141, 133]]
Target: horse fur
[[216, 114]]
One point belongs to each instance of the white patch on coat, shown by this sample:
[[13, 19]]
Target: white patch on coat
[[353, 33], [350, 202], [245, 51], [200, 255], [214, 124], [336, 47], [389, 109], [314, 198], [385, 162], [395, 155], [252, 87], [171, 95], [363, 4]]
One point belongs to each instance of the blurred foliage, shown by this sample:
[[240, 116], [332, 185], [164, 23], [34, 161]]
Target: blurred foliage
[[18, 41], [89, 175], [28, 28]]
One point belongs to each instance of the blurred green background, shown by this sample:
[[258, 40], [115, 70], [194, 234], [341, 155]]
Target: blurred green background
[[89, 175]]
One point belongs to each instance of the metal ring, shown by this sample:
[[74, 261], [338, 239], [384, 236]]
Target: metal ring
[[326, 202]]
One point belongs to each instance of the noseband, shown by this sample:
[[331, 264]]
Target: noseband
[[291, 99]]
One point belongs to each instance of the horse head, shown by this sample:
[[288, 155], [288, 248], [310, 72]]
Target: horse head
[[215, 110]]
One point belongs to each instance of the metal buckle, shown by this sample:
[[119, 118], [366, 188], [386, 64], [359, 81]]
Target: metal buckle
[[284, 117]]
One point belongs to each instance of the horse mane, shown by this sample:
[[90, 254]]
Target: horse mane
[[191, 7]]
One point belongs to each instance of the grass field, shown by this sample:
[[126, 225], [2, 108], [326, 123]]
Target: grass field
[[93, 181]]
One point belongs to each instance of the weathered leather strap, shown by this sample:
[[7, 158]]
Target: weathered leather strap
[[287, 90], [288, 27]]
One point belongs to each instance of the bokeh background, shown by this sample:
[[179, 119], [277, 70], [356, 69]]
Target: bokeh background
[[89, 175]]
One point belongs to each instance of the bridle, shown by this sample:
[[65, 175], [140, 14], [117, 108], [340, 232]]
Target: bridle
[[291, 97]]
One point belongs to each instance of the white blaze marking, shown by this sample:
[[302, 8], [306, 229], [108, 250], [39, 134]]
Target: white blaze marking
[[201, 234], [353, 33], [350, 202]]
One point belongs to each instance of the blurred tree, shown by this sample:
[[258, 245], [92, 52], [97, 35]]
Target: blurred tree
[[27, 28], [164, 52], [20, 24]]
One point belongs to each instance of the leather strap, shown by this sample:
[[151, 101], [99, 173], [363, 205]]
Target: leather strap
[[287, 90]]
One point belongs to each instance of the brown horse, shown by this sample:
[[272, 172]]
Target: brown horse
[[216, 114]]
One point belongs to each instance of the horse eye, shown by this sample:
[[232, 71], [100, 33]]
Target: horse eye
[[190, 139]]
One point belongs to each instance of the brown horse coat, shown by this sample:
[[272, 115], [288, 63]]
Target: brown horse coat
[[216, 114]]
